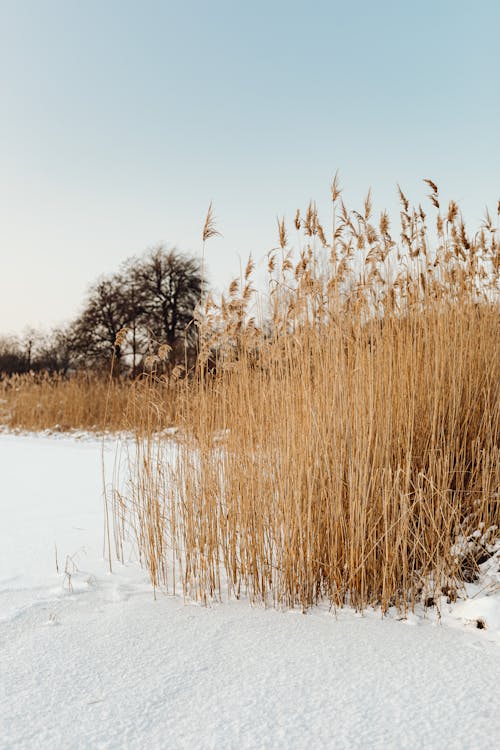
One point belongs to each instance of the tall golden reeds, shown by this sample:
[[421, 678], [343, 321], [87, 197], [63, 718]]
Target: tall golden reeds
[[81, 401], [339, 445]]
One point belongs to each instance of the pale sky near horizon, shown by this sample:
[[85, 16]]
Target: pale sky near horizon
[[121, 120]]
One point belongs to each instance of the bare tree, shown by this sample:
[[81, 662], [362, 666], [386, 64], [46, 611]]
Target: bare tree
[[35, 351], [12, 356], [54, 351], [169, 285], [107, 311]]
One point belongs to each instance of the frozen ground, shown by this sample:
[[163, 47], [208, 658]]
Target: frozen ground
[[89, 659]]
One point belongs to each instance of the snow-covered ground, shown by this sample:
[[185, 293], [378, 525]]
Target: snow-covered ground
[[89, 659]]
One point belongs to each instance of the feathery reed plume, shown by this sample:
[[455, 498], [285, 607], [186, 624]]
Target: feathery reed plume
[[452, 212], [368, 205], [209, 228], [432, 186], [403, 199], [282, 235], [249, 268], [384, 223], [121, 336], [433, 197], [335, 190], [164, 351], [233, 287], [321, 234], [311, 220]]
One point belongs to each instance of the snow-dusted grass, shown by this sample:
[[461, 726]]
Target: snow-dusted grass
[[90, 659]]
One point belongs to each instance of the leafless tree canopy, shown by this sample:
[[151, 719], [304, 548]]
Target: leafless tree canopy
[[152, 296]]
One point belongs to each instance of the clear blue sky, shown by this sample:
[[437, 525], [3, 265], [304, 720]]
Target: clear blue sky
[[120, 120]]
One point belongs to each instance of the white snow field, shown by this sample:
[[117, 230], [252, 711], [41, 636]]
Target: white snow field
[[90, 659]]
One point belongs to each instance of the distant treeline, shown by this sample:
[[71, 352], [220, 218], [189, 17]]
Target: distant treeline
[[153, 296]]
